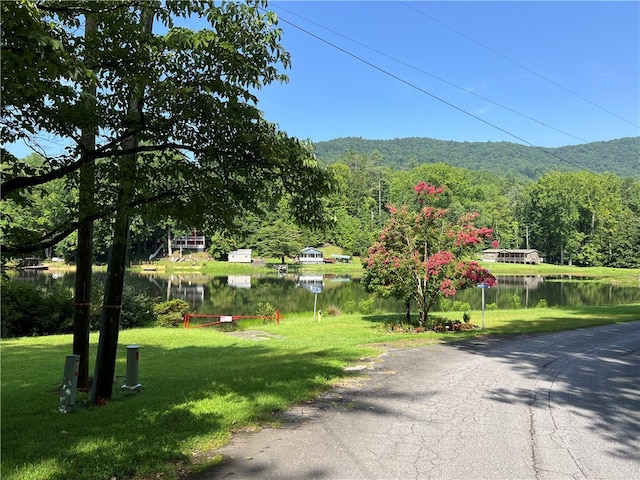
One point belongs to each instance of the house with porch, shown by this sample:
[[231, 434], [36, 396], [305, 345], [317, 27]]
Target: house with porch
[[310, 255], [512, 255]]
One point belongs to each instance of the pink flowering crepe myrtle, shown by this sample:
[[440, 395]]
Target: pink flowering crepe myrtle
[[424, 255]]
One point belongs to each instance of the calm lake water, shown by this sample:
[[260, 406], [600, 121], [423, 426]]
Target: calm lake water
[[241, 294]]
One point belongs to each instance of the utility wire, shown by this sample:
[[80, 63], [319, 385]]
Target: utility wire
[[436, 77], [521, 65], [386, 72]]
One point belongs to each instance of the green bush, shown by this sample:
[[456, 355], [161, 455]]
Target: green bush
[[447, 305], [137, 308], [491, 306], [542, 303], [265, 309], [170, 313], [366, 306], [30, 310], [350, 307], [466, 317], [515, 302]]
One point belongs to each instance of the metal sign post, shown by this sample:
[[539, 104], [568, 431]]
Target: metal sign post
[[316, 291], [482, 286]]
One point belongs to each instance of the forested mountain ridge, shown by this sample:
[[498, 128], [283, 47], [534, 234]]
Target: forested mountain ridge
[[620, 156]]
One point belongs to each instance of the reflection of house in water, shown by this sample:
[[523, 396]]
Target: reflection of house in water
[[337, 279], [308, 281], [184, 289], [239, 281], [528, 282], [520, 282]]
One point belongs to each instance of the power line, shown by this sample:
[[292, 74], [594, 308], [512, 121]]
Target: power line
[[386, 72], [436, 77], [521, 65]]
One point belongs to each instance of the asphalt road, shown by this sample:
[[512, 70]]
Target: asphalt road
[[553, 406]]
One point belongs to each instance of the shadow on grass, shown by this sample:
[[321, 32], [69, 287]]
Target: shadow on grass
[[188, 393]]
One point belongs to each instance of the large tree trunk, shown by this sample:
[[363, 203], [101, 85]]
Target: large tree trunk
[[112, 306], [84, 249], [111, 311]]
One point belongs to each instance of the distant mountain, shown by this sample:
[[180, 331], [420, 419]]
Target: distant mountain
[[620, 156]]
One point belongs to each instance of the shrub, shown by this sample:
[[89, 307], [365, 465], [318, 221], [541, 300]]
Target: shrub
[[466, 317], [170, 313], [137, 308], [448, 305], [491, 306], [350, 306], [333, 311], [29, 310], [265, 309], [542, 303], [366, 306], [515, 302]]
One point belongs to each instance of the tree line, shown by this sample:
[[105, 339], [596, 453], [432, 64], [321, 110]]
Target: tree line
[[579, 218], [619, 156]]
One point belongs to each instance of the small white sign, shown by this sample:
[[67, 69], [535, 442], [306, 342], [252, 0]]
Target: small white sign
[[316, 290], [226, 318]]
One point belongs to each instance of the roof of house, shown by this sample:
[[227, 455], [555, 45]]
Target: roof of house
[[310, 250], [241, 251], [510, 250]]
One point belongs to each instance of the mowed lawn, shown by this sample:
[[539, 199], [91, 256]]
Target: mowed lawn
[[201, 385]]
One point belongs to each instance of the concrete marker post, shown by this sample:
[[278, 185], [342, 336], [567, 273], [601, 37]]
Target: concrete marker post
[[133, 357], [69, 383]]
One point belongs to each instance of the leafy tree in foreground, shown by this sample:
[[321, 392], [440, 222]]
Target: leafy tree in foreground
[[178, 132], [422, 255]]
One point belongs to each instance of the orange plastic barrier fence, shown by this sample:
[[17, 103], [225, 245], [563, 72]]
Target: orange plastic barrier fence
[[225, 319]]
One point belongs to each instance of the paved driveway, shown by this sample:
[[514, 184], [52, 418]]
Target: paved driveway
[[553, 406]]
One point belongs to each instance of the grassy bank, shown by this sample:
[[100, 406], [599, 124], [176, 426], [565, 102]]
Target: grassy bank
[[201, 262], [200, 385]]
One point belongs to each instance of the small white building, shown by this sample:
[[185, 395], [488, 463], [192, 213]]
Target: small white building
[[309, 255], [242, 255]]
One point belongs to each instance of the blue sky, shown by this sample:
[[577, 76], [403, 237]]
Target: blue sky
[[463, 71], [409, 53]]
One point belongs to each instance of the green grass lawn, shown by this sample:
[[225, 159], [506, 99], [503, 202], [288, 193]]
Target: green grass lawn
[[201, 385]]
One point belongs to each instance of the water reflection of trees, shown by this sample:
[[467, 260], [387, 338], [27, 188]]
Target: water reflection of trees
[[231, 295]]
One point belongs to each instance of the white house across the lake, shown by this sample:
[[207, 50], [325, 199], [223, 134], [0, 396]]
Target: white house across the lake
[[512, 255], [242, 255], [310, 255]]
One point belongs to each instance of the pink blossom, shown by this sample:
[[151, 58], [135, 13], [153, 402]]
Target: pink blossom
[[429, 189], [447, 288], [438, 260]]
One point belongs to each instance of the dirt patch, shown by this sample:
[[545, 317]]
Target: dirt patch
[[256, 335]]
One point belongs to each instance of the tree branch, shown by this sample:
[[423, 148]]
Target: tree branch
[[62, 231]]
